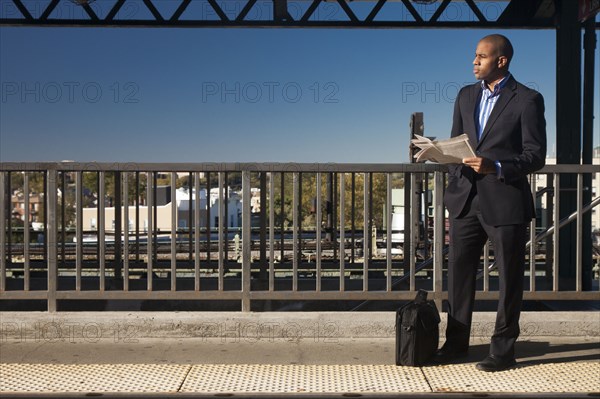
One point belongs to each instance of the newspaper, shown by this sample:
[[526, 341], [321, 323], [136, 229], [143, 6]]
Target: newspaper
[[451, 150]]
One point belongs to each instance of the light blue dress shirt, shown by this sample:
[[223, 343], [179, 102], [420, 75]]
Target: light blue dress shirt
[[485, 108]]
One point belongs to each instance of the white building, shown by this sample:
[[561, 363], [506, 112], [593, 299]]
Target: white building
[[185, 209]]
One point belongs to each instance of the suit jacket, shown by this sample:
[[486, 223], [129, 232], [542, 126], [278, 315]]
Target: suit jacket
[[515, 135]]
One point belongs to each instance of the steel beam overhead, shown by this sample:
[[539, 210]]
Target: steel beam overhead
[[525, 14]]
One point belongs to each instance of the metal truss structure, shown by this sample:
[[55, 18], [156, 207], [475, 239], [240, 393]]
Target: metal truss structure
[[530, 14]]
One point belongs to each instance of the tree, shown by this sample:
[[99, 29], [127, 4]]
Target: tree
[[308, 188], [91, 188]]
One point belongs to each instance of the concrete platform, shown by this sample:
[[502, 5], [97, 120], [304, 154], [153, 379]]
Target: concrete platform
[[270, 355]]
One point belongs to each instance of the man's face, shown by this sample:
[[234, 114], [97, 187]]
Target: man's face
[[487, 62]]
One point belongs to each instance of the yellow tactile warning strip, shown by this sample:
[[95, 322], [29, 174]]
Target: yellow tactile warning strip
[[284, 379], [551, 377], [91, 377], [305, 379]]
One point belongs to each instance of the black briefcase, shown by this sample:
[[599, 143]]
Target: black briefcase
[[417, 331]]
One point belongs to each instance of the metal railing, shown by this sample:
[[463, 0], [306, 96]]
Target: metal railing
[[337, 245]]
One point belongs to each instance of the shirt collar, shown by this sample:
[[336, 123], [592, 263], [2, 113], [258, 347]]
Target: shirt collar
[[498, 86]]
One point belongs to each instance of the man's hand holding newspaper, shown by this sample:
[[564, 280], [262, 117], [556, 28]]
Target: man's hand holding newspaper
[[452, 150]]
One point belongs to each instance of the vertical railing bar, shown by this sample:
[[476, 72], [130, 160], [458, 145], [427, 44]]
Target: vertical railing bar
[[96, 227], [271, 232], [155, 225], [597, 176], [101, 229], [366, 232], [282, 216], [555, 267], [533, 246], [353, 218], [548, 213], [318, 233], [342, 230], [26, 232], [226, 213], [63, 223], [438, 235], [9, 233], [246, 242], [334, 210], [3, 231], [208, 220], [579, 235], [117, 264], [220, 230], [45, 207], [426, 218], [220, 270], [137, 216], [150, 238], [295, 222], [486, 266], [173, 231], [299, 225], [52, 235], [388, 233], [262, 230], [372, 228], [197, 231], [78, 228], [125, 184], [190, 214], [414, 229]]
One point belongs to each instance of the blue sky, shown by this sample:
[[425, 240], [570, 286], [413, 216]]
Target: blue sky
[[229, 95]]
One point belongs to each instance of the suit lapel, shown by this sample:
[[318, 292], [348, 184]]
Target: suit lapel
[[474, 98], [506, 95]]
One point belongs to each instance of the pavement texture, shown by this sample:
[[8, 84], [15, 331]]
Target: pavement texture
[[316, 354]]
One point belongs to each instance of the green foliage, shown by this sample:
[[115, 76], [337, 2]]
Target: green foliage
[[308, 198], [283, 201]]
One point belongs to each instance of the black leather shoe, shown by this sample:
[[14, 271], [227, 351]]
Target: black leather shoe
[[449, 353], [494, 363]]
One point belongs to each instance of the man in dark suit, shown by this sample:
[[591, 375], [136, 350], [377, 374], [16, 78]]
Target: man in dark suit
[[488, 196]]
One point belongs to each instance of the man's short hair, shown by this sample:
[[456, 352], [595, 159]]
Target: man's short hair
[[502, 44]]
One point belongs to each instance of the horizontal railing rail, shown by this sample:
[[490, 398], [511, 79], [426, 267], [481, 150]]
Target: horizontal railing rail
[[261, 233]]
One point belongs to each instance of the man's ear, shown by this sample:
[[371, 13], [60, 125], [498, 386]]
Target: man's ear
[[502, 61]]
